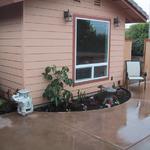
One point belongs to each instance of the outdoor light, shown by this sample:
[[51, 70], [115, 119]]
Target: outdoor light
[[67, 16], [116, 22]]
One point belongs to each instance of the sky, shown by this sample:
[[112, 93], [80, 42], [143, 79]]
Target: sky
[[145, 4]]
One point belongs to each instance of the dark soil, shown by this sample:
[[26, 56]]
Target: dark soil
[[93, 102], [7, 106]]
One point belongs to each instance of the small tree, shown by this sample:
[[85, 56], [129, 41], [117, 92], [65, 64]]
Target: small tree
[[137, 33], [58, 78]]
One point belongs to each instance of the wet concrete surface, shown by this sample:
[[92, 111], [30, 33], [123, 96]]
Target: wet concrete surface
[[126, 126], [143, 145]]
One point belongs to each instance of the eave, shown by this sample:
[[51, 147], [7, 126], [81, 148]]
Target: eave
[[133, 12]]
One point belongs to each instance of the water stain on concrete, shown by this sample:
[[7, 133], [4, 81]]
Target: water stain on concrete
[[5, 122]]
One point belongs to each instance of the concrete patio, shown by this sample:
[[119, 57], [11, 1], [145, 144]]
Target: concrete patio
[[123, 127]]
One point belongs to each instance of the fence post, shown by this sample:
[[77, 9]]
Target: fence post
[[147, 57], [127, 55], [128, 50]]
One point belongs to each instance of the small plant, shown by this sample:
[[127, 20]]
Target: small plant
[[81, 96], [119, 83], [101, 88], [2, 103], [6, 105], [114, 85], [58, 79]]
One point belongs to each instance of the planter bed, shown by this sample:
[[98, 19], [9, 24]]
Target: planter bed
[[91, 102]]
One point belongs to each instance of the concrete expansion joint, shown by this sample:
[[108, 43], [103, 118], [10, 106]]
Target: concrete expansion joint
[[138, 142], [92, 135]]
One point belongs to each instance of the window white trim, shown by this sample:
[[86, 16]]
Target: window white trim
[[91, 65]]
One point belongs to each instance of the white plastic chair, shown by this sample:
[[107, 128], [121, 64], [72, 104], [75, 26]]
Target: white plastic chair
[[134, 72]]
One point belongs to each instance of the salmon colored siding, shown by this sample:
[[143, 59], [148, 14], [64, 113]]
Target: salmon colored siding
[[48, 40], [11, 64]]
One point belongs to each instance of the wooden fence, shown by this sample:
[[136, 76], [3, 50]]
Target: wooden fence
[[127, 50], [127, 54], [147, 57]]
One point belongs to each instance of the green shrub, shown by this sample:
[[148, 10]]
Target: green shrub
[[2, 103], [58, 79]]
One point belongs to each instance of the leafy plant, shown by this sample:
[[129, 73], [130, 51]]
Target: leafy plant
[[3, 106], [58, 79], [2, 103], [81, 96], [114, 85]]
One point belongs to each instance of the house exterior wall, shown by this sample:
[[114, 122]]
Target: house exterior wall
[[11, 64], [48, 40]]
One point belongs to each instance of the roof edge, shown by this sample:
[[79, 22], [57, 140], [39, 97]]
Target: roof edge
[[133, 4], [8, 2]]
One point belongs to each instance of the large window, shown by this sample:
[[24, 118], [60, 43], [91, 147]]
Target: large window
[[92, 49]]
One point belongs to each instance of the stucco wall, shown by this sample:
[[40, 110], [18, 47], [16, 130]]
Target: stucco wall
[[48, 40], [11, 72]]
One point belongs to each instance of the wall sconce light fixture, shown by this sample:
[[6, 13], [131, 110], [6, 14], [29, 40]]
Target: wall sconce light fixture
[[116, 22], [67, 16]]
